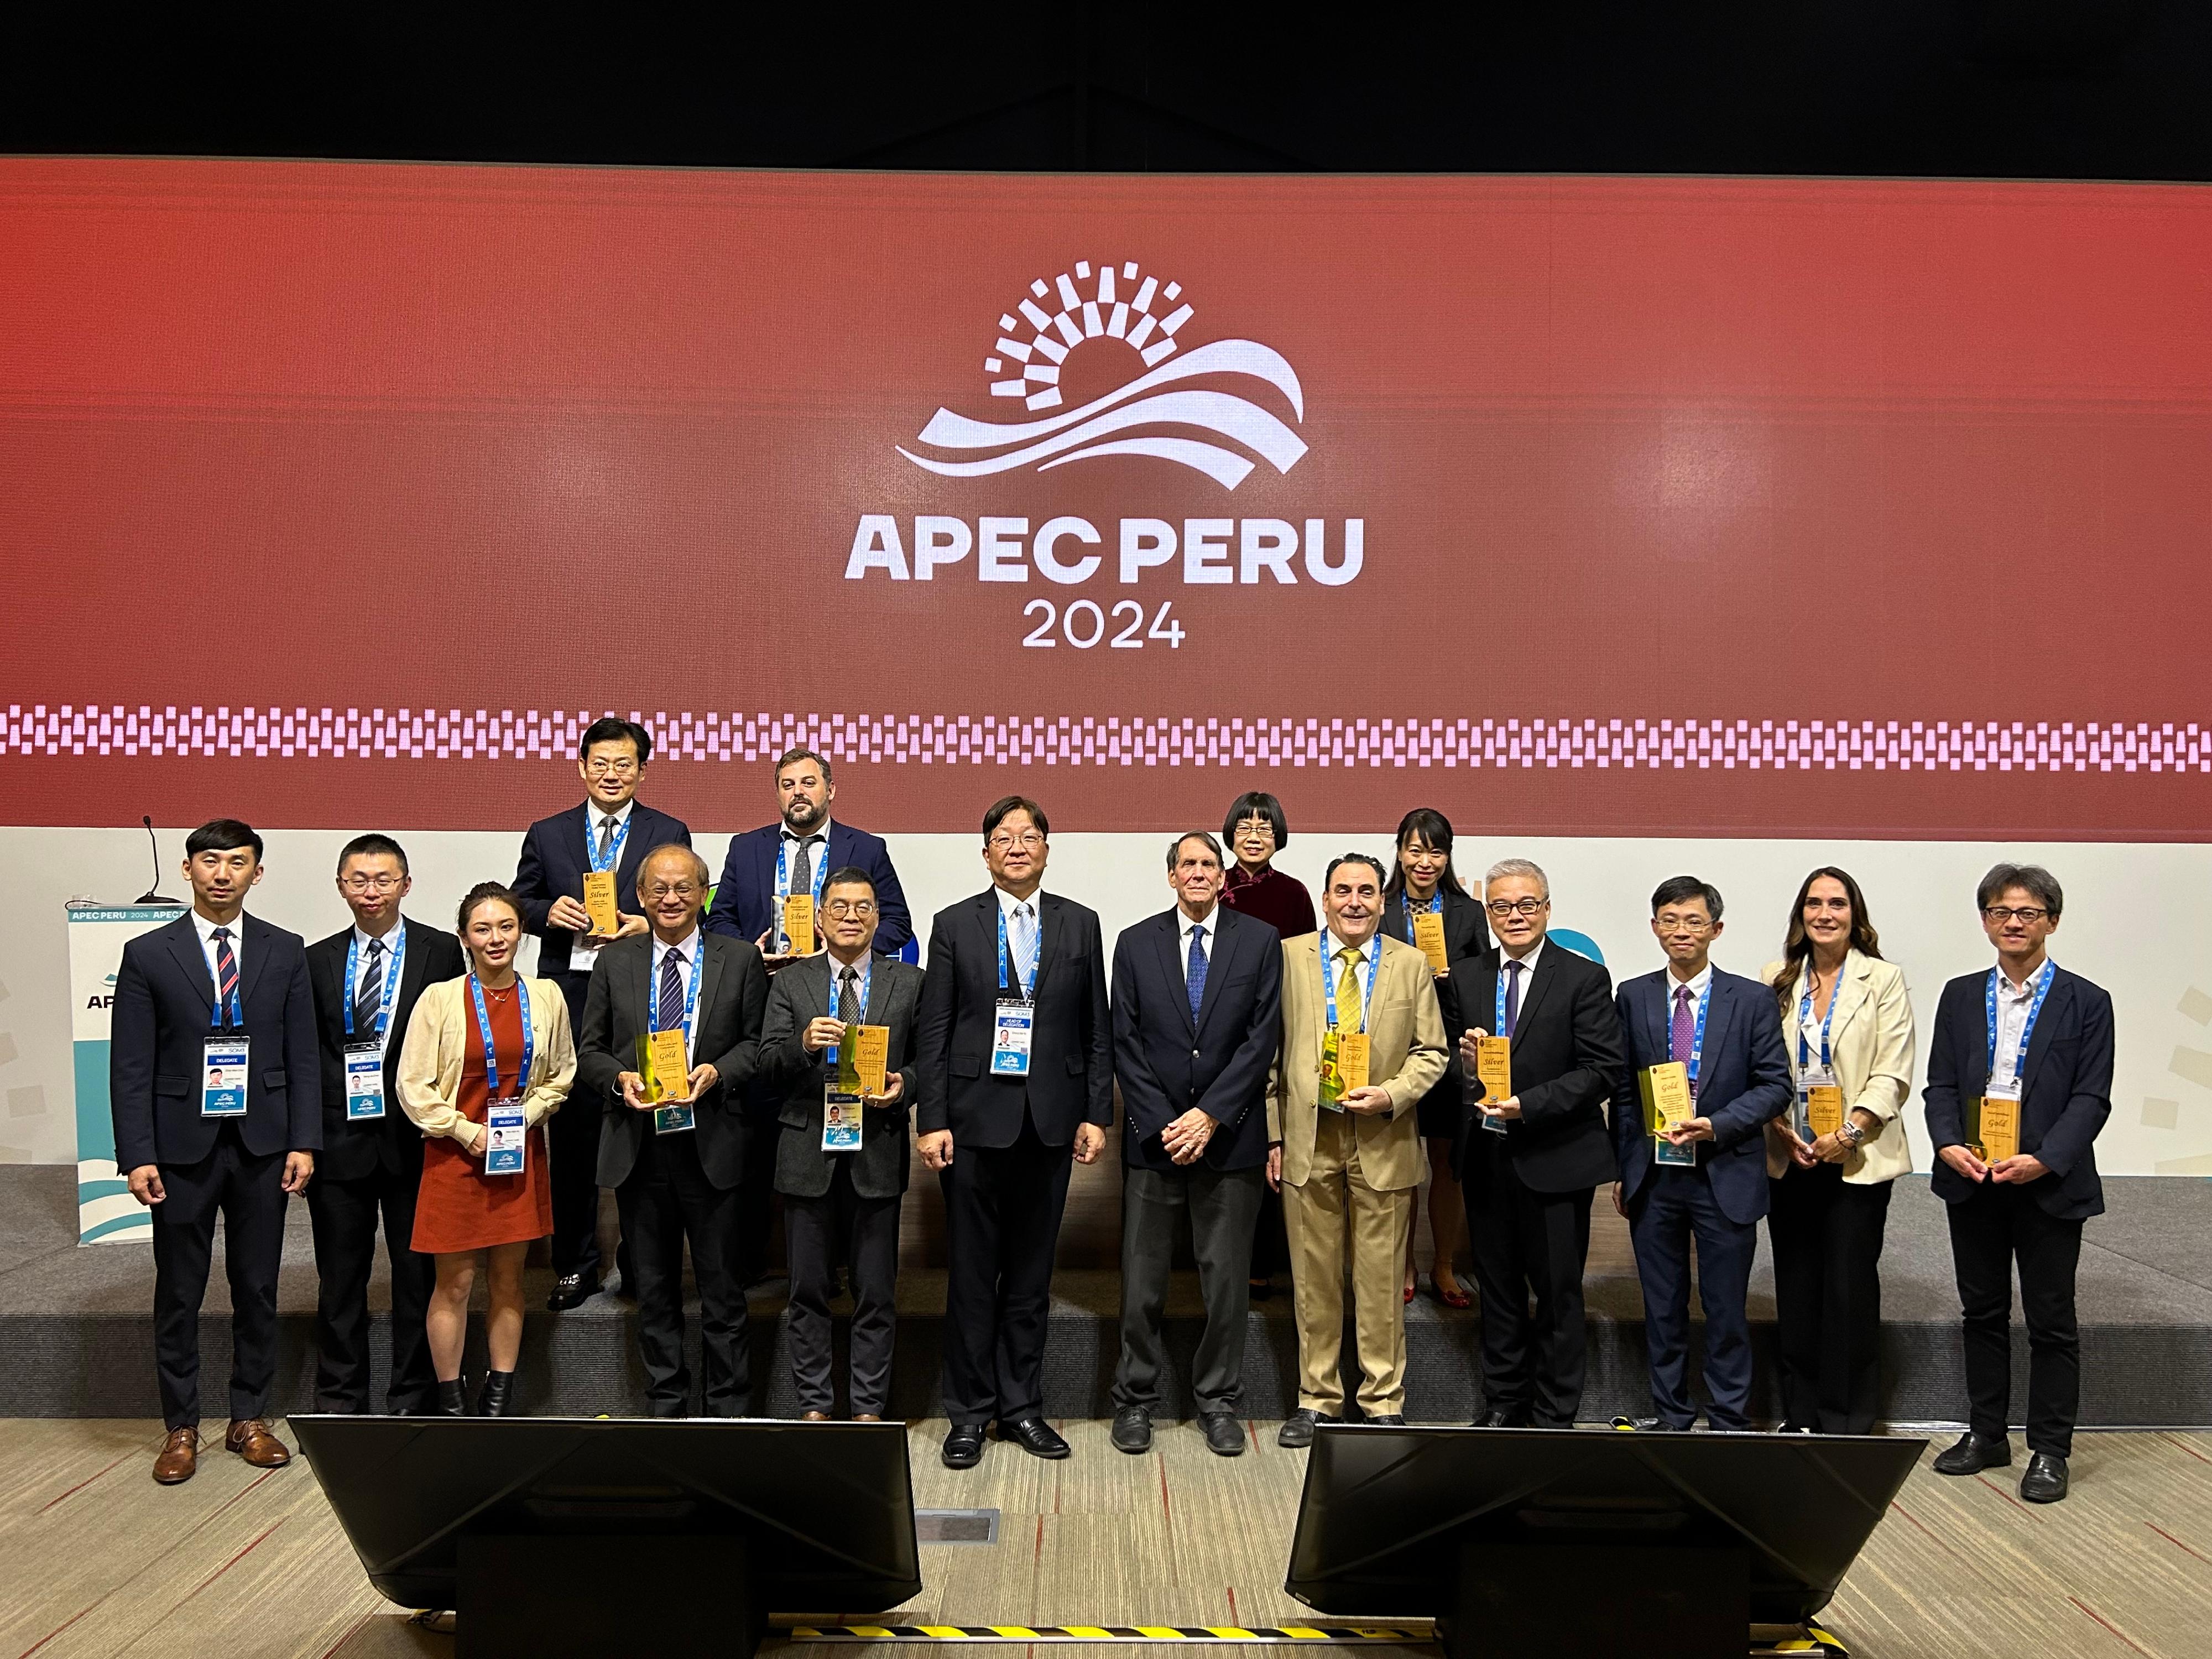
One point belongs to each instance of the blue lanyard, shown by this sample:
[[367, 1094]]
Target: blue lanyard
[[1328, 980], [1434, 907], [1028, 990], [1698, 1038], [483, 1031], [2026, 1031], [867, 977], [691, 995], [1497, 1015], [1804, 1009], [614, 847], [391, 978]]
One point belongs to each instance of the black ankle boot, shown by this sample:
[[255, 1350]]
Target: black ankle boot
[[453, 1398], [496, 1398]]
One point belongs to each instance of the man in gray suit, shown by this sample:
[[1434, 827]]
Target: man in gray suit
[[841, 1188], [677, 1165]]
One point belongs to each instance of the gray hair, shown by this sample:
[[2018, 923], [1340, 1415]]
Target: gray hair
[[1517, 867], [670, 849], [1175, 848]]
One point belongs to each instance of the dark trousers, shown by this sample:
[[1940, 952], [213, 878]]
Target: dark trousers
[[248, 1192], [1826, 1235], [1270, 1243], [1990, 1230], [757, 1195], [1002, 1210], [866, 1231], [344, 1216], [1222, 1206], [1674, 1206], [1528, 1243], [671, 1200]]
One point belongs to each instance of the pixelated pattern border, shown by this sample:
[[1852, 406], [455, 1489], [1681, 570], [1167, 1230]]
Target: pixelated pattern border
[[408, 733]]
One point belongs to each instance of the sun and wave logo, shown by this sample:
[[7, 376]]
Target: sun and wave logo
[[1152, 413]]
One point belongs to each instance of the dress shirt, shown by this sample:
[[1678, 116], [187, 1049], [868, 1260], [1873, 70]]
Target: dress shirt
[[390, 941], [1185, 927], [818, 845], [1333, 965], [1528, 962], [2013, 1003], [1007, 905], [689, 947], [583, 957], [593, 817], [237, 925]]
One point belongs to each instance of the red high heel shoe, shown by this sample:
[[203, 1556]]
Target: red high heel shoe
[[1454, 1298]]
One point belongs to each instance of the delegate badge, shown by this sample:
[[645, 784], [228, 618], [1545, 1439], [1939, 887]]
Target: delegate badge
[[506, 1146], [225, 1060], [364, 1081], [1010, 1044]]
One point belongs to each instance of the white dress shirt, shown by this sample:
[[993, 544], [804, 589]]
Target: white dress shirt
[[237, 927], [388, 943], [1211, 923], [582, 956], [2013, 1003], [1010, 907]]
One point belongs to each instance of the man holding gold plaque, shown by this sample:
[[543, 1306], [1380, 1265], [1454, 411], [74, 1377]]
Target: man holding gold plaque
[[839, 1047], [670, 1042], [2019, 1082], [1363, 1042], [1541, 1044], [573, 867], [1706, 1070]]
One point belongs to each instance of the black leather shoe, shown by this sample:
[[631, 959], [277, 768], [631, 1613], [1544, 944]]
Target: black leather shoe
[[1386, 1420], [1297, 1429], [496, 1398], [1973, 1454], [1224, 1435], [1133, 1429], [1646, 1426], [453, 1398], [1502, 1417], [963, 1446], [2046, 1480], [1034, 1436], [572, 1290]]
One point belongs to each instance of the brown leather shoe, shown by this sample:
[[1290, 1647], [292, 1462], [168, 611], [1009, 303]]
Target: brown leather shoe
[[814, 1417], [866, 1417], [180, 1457], [251, 1441]]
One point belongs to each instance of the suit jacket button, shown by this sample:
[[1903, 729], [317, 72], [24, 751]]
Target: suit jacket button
[[1194, 1054]]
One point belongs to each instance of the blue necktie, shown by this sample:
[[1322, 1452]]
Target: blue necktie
[[1514, 970], [1197, 969]]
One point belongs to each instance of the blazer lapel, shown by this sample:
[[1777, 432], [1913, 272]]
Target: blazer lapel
[[1850, 997], [710, 973], [879, 990], [1718, 1013], [414, 967], [2055, 1005], [1539, 982], [1218, 961], [640, 985], [1657, 1042], [1167, 937], [185, 946], [255, 959]]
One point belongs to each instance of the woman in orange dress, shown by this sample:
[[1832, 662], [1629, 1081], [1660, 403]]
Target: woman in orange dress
[[487, 1037]]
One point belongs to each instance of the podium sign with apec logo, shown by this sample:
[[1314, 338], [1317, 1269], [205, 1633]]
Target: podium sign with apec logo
[[106, 1211]]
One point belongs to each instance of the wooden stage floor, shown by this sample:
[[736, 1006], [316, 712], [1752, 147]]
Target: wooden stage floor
[[101, 1562]]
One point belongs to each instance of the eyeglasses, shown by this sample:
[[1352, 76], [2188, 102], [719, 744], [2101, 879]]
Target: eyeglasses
[[1029, 838], [1671, 923], [371, 883], [1255, 827], [863, 907], [607, 769], [1521, 907], [678, 890], [2001, 914]]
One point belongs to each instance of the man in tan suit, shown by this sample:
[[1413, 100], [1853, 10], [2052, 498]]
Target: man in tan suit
[[1346, 1151]]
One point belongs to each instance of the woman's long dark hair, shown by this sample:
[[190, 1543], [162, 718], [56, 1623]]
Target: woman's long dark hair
[[1432, 827], [1797, 945]]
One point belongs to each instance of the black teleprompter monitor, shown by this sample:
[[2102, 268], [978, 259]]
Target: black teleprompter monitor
[[790, 1516], [1393, 1522]]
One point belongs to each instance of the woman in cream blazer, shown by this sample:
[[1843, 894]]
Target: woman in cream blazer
[[445, 1078], [1828, 1194]]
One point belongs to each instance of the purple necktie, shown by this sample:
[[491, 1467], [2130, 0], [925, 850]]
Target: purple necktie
[[672, 989], [1512, 996], [1683, 1041]]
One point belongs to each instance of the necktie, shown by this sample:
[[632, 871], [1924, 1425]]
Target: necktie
[[1023, 942], [606, 839], [802, 868], [368, 996], [1197, 974], [1514, 970], [848, 998], [1348, 1011], [226, 974], [1682, 1042], [671, 1018]]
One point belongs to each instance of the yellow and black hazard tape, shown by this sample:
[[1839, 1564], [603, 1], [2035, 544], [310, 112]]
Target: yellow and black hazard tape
[[1342, 1635]]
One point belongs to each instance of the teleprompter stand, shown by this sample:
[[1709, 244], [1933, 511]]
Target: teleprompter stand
[[589, 1596]]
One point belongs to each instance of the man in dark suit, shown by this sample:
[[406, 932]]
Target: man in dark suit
[[1529, 1163], [611, 830], [679, 1165], [1707, 1174], [841, 1193], [1198, 1013], [217, 1093], [763, 868], [365, 982], [2029, 1033], [1016, 1056]]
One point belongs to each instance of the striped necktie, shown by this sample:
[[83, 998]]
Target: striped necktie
[[670, 1016], [226, 976], [368, 997]]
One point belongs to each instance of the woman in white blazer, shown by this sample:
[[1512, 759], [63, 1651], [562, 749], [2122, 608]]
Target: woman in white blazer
[[1847, 1022], [489, 1036]]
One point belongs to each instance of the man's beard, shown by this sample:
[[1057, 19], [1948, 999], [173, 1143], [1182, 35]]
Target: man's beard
[[802, 816]]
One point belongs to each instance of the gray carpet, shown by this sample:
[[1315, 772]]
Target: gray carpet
[[75, 1339]]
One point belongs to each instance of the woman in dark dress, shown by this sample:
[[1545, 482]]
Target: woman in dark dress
[[1424, 884], [1256, 830]]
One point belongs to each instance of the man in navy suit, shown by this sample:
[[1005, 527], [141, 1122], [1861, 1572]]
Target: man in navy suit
[[763, 866], [611, 830], [366, 981], [2028, 1032], [1014, 1055], [1198, 1011], [1706, 1177], [217, 1091]]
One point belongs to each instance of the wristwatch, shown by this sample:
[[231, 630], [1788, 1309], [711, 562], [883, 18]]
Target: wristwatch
[[1850, 1134]]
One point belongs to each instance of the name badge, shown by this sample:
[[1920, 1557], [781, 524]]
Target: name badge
[[507, 1146], [1010, 1044], [225, 1061], [841, 1121], [1823, 1101], [364, 1080], [673, 1119]]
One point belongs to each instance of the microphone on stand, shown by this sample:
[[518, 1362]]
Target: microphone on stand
[[154, 895]]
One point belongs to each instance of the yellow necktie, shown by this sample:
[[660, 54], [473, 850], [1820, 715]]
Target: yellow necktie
[[1348, 1013]]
